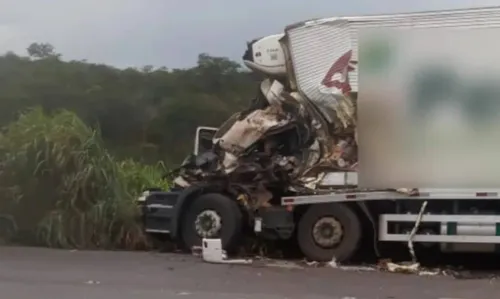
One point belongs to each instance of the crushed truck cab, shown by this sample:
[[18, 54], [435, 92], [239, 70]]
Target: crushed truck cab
[[189, 213]]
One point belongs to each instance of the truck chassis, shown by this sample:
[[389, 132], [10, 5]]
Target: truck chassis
[[452, 227]]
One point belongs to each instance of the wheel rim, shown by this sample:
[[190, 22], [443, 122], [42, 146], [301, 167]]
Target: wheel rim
[[327, 232], [208, 224]]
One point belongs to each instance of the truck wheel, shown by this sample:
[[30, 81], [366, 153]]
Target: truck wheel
[[212, 216], [328, 231]]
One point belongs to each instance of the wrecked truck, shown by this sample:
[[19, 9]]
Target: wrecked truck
[[286, 167]]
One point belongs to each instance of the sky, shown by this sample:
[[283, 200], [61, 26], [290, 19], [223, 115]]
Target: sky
[[172, 33]]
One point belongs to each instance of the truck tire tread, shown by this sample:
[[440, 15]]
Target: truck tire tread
[[351, 239], [232, 220]]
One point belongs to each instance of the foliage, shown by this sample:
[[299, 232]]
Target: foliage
[[71, 168], [42, 50], [147, 114], [64, 189], [139, 177]]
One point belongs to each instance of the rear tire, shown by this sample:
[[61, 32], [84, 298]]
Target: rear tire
[[222, 212], [335, 217]]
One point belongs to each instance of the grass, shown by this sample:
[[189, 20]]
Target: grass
[[64, 189]]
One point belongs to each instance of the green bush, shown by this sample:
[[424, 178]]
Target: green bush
[[64, 189], [140, 177]]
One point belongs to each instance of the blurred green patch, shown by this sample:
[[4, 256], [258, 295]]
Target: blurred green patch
[[64, 189]]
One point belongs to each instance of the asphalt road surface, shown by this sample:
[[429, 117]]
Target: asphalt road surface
[[27, 273]]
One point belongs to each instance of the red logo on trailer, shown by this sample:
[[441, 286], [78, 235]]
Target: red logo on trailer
[[341, 66]]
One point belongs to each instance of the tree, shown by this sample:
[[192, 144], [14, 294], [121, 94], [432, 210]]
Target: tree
[[42, 50], [147, 68], [154, 108], [218, 65]]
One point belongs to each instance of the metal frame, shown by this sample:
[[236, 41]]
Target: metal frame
[[423, 194], [384, 235], [197, 139]]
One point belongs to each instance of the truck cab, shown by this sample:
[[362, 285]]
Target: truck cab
[[189, 214]]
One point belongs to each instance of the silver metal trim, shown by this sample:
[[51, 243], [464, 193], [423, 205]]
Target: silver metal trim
[[425, 194], [162, 231], [159, 206], [384, 220]]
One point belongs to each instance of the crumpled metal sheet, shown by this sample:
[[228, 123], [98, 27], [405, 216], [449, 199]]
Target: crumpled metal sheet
[[247, 131], [283, 137]]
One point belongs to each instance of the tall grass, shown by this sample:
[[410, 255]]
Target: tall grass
[[64, 189]]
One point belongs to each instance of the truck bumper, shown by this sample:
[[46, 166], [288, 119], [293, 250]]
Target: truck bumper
[[157, 210]]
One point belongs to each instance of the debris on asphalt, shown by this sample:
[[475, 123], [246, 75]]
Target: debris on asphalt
[[406, 268], [334, 264], [212, 252], [429, 273], [312, 264], [413, 268]]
